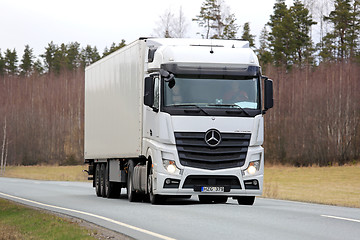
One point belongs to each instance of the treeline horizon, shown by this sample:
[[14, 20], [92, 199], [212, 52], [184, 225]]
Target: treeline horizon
[[315, 120]]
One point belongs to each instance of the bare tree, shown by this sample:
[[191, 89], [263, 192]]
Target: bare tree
[[170, 25], [180, 25]]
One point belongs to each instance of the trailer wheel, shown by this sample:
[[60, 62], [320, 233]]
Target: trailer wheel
[[97, 180], [132, 195], [246, 200], [102, 179], [108, 185]]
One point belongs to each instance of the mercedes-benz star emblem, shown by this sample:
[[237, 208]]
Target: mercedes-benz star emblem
[[212, 137]]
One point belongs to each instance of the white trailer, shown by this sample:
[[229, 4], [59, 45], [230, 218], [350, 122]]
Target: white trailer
[[175, 118]]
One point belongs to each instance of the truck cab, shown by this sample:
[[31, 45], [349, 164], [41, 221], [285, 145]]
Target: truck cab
[[203, 119]]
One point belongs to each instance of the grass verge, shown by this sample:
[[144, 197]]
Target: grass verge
[[326, 185], [20, 222]]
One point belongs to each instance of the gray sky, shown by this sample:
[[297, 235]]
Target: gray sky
[[101, 22]]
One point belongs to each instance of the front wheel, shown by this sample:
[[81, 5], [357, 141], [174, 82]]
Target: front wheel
[[246, 200], [154, 198], [131, 193]]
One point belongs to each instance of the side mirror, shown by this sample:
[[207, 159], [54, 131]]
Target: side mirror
[[149, 92], [268, 88], [168, 77]]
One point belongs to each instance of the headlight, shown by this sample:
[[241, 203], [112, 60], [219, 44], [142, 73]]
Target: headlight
[[169, 164], [253, 168]]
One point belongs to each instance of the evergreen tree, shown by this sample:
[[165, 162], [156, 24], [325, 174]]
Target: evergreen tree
[[2, 64], [38, 67], [281, 35], [354, 31], [73, 55], [89, 55], [246, 35], [217, 22], [303, 21], [341, 18], [290, 39], [60, 58], [207, 15], [10, 61], [231, 28], [49, 56], [27, 61], [113, 48]]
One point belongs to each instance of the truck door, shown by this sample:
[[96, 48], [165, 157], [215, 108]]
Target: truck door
[[151, 121]]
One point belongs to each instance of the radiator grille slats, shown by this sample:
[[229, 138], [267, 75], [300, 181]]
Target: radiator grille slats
[[195, 152]]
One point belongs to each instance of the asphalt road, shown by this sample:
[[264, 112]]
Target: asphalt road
[[188, 219]]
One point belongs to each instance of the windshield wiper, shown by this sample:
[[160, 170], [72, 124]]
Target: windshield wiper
[[190, 105], [231, 105]]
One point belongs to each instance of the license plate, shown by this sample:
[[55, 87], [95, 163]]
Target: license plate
[[212, 189]]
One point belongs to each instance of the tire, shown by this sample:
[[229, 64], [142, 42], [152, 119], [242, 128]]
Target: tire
[[108, 186], [97, 180], [131, 193], [102, 179], [246, 200], [212, 199], [112, 189], [155, 199]]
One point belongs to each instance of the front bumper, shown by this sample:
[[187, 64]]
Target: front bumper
[[190, 180]]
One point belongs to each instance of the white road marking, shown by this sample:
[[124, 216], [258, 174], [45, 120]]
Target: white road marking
[[341, 218], [93, 215]]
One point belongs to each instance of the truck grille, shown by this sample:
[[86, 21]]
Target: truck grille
[[195, 152]]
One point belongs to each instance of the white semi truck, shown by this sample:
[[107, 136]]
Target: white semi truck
[[175, 118]]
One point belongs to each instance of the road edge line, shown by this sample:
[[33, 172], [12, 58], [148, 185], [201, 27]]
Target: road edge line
[[92, 215], [341, 218]]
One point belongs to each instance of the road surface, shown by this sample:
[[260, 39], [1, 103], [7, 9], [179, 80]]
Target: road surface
[[188, 219]]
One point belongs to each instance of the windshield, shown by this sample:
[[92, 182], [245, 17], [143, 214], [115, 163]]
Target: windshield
[[209, 92]]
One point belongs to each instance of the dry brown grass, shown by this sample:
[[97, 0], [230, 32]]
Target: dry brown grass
[[55, 173], [327, 185], [8, 232]]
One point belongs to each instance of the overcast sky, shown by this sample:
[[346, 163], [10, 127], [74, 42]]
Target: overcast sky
[[99, 23]]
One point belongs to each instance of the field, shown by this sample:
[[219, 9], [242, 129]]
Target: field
[[326, 185], [54, 173]]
